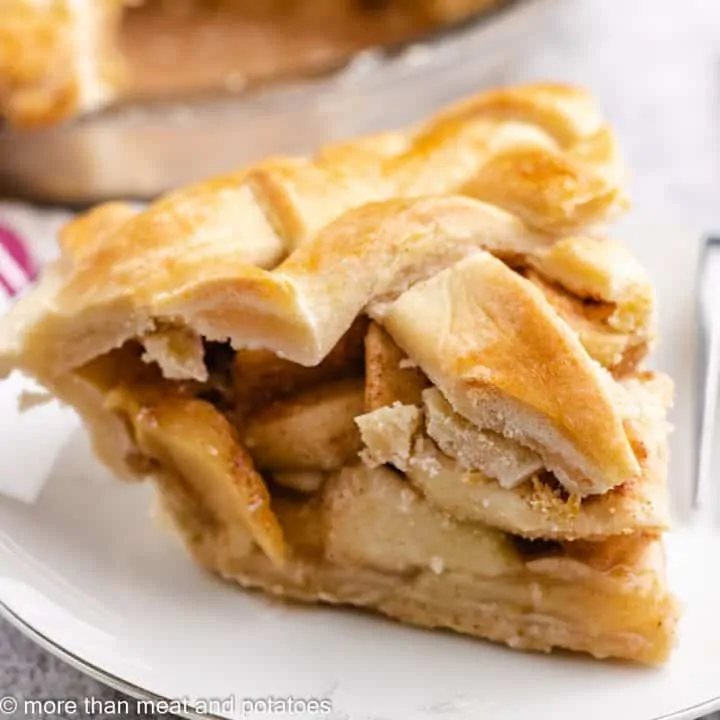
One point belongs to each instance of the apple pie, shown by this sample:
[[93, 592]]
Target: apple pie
[[405, 375], [63, 57]]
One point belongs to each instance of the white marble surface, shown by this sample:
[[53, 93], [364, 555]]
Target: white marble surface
[[655, 67]]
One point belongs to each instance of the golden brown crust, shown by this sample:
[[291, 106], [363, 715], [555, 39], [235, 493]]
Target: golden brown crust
[[449, 476], [388, 434], [540, 509], [489, 341], [125, 288], [603, 272], [246, 257], [614, 349], [191, 252], [54, 61], [488, 452], [450, 10]]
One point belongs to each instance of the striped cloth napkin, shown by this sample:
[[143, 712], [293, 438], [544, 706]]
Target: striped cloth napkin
[[27, 242], [17, 265]]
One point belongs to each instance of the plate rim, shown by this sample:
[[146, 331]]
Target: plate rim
[[91, 670], [693, 712]]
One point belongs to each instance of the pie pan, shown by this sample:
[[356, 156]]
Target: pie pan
[[138, 151]]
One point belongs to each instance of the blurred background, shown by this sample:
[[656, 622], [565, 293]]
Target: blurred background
[[653, 65]]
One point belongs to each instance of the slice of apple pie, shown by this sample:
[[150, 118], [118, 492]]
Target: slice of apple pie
[[403, 375]]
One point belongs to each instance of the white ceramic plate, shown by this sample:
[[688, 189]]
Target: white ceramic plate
[[87, 571]]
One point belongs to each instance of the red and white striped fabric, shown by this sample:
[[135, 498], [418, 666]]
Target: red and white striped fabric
[[27, 241], [18, 268]]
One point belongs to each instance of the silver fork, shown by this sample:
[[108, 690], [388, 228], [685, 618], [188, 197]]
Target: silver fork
[[708, 371]]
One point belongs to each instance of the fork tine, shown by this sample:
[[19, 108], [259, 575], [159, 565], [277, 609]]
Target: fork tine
[[708, 370]]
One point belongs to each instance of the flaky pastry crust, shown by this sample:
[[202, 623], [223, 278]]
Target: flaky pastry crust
[[370, 541]]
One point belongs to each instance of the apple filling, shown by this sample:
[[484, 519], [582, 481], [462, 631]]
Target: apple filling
[[356, 481]]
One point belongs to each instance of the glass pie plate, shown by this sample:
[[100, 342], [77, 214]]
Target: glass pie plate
[[138, 151]]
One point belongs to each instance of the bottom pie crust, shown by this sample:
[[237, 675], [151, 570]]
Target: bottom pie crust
[[607, 598]]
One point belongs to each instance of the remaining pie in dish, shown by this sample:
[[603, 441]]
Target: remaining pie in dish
[[405, 374], [62, 57]]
